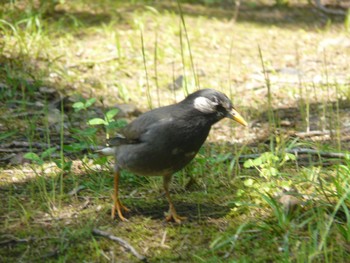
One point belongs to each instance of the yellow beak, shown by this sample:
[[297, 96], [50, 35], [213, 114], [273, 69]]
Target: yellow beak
[[234, 115]]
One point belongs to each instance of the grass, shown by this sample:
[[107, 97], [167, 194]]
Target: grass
[[62, 71]]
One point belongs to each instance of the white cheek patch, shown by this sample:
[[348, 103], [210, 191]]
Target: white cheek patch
[[204, 105]]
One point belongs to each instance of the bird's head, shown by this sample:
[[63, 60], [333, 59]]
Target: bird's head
[[214, 103]]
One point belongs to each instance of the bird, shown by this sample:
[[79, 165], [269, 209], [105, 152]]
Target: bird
[[164, 140]]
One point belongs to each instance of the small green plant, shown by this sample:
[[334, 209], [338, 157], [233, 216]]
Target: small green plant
[[270, 182], [87, 136], [84, 104], [47, 154], [40, 159], [268, 163], [108, 121]]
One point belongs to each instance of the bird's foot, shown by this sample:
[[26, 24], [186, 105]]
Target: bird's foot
[[173, 216], [118, 207], [123, 207]]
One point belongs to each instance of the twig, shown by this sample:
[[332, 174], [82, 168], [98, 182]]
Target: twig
[[16, 115], [324, 135], [12, 239], [16, 144], [320, 133], [300, 151], [244, 157], [162, 243], [122, 242], [8, 157], [16, 150], [76, 190], [22, 146], [319, 153], [312, 133], [328, 10], [85, 205]]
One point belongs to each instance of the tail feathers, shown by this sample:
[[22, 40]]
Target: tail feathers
[[106, 151], [120, 139]]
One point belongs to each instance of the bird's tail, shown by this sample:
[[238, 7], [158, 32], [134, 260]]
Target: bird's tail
[[106, 151]]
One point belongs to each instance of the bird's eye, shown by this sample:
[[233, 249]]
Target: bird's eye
[[220, 108]]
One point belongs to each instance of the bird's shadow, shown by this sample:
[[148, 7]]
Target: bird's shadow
[[192, 211]]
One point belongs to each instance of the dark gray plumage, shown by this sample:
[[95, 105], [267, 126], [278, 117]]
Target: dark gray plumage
[[164, 140]]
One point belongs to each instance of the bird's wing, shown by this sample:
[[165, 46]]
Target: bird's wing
[[133, 132]]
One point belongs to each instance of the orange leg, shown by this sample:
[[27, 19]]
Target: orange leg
[[117, 206], [172, 215]]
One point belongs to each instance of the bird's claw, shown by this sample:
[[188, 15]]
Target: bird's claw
[[123, 207], [173, 216], [118, 207]]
